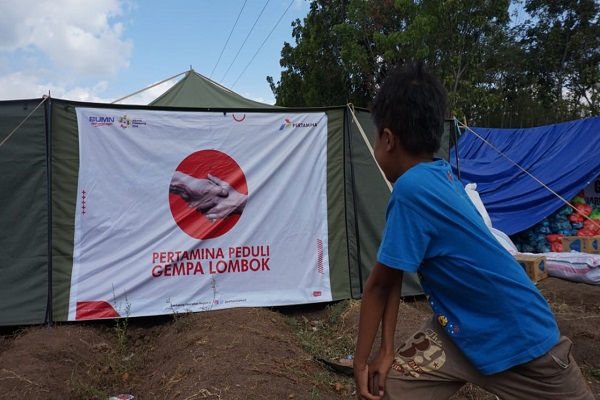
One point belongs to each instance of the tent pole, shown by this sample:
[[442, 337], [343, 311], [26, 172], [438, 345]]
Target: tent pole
[[48, 114], [364, 136], [149, 87], [348, 131], [368, 144]]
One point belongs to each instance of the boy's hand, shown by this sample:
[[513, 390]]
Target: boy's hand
[[378, 370], [364, 381]]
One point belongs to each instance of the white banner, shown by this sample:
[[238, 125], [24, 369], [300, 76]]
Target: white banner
[[592, 192], [193, 211]]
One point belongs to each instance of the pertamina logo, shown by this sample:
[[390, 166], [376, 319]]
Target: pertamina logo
[[290, 124], [286, 124]]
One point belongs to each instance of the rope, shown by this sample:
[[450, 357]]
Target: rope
[[364, 136], [149, 87], [245, 40], [229, 37], [456, 129], [262, 44], [529, 174], [22, 122]]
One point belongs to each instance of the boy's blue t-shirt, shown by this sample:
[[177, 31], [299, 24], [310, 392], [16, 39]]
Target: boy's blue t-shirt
[[477, 290]]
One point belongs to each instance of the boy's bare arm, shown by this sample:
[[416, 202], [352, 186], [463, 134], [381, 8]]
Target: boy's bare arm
[[382, 362], [377, 293], [390, 316]]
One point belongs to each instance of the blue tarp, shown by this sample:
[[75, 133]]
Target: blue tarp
[[564, 157]]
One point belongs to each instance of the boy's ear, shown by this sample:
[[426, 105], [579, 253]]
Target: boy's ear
[[390, 139]]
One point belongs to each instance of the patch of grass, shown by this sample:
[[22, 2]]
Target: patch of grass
[[181, 319], [315, 394], [557, 305], [326, 337], [121, 325], [96, 382], [92, 382], [120, 328], [592, 373], [331, 338], [85, 390], [171, 381]]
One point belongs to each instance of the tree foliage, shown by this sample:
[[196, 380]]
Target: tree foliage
[[334, 60], [496, 72], [562, 45]]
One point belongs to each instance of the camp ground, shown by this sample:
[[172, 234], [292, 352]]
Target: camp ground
[[97, 230]]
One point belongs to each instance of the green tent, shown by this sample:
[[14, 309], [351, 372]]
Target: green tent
[[40, 161], [196, 90]]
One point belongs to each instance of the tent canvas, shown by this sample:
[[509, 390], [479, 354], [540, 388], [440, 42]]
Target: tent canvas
[[24, 201], [525, 175], [196, 90]]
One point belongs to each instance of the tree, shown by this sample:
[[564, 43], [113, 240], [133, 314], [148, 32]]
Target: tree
[[514, 92], [459, 39], [355, 42], [335, 60], [562, 44], [312, 74], [543, 71]]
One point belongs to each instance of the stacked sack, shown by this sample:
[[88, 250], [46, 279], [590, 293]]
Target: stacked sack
[[546, 236]]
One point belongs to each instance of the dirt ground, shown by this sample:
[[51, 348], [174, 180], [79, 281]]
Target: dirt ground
[[244, 353]]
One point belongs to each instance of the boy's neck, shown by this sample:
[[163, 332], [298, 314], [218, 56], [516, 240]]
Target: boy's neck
[[410, 160]]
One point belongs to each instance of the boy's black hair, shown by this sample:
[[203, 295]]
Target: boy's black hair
[[412, 104]]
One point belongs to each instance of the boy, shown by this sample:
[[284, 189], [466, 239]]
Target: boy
[[490, 325]]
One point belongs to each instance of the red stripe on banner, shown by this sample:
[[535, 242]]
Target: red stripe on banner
[[320, 256], [95, 310], [569, 269]]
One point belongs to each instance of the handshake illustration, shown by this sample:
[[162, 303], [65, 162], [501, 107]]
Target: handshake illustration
[[213, 197]]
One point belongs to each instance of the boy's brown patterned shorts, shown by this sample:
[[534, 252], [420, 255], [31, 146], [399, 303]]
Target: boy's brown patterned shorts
[[428, 366]]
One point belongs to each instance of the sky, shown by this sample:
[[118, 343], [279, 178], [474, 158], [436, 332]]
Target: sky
[[104, 50]]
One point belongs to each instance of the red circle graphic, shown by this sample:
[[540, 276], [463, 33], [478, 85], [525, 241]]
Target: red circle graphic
[[200, 165]]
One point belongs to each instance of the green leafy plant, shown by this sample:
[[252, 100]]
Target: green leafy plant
[[122, 323]]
